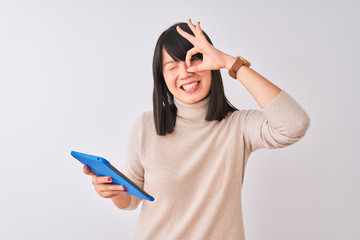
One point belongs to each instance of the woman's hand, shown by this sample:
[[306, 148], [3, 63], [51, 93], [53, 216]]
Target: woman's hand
[[260, 88], [102, 186], [213, 59]]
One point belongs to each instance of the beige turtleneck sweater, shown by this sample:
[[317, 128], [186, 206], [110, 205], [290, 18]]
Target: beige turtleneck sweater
[[196, 173]]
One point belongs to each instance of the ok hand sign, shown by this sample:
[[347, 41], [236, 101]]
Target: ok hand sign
[[213, 59]]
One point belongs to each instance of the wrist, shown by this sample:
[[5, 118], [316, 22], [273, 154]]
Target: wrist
[[238, 64], [229, 61], [122, 200]]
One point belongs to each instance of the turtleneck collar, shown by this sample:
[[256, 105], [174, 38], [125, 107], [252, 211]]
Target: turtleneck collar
[[195, 112]]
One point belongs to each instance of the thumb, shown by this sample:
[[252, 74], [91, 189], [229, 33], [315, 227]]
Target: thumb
[[88, 171], [196, 68]]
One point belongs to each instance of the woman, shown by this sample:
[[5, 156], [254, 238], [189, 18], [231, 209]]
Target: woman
[[190, 153]]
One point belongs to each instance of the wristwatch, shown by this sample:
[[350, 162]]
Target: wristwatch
[[237, 65]]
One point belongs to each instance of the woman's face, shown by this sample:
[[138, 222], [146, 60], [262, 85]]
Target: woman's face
[[187, 87]]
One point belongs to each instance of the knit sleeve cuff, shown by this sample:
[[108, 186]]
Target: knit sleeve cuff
[[280, 100], [134, 203]]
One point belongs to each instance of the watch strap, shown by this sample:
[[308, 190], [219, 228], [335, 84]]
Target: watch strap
[[239, 62]]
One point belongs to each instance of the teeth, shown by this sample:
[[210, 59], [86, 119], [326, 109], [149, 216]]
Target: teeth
[[190, 86]]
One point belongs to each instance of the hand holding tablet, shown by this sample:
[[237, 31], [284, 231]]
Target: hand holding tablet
[[105, 188], [102, 167]]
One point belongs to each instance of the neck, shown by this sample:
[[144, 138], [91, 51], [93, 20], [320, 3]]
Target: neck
[[195, 112]]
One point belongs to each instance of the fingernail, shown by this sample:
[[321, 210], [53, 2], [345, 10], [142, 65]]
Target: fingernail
[[179, 26], [109, 179], [125, 191]]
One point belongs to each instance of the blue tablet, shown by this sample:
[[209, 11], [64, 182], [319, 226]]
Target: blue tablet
[[101, 167]]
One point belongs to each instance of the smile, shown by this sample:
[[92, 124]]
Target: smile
[[190, 86]]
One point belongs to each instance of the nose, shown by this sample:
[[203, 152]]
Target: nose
[[183, 73]]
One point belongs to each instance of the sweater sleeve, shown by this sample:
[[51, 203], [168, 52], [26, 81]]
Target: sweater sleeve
[[131, 166], [281, 123]]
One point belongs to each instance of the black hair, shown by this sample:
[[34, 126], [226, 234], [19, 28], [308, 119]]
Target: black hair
[[163, 100]]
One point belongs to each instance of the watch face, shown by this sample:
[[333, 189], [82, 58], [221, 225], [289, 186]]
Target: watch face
[[246, 63]]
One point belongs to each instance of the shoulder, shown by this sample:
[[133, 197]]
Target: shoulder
[[144, 118], [144, 122]]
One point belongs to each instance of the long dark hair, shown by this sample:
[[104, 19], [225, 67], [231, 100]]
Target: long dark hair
[[163, 100]]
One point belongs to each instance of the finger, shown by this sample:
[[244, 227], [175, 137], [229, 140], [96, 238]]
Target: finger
[[193, 69], [200, 32], [108, 187], [101, 180], [192, 26], [88, 171], [189, 55], [110, 194], [196, 29], [197, 68], [104, 179], [186, 35]]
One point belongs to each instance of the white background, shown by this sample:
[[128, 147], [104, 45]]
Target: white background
[[74, 75]]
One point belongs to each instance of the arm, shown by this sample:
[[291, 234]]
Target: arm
[[122, 201], [281, 122], [263, 91]]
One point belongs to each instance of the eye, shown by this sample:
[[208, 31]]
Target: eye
[[170, 68], [194, 58]]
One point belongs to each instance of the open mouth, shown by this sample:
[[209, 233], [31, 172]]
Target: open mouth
[[190, 86]]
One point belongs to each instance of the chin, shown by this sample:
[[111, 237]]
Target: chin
[[192, 100]]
